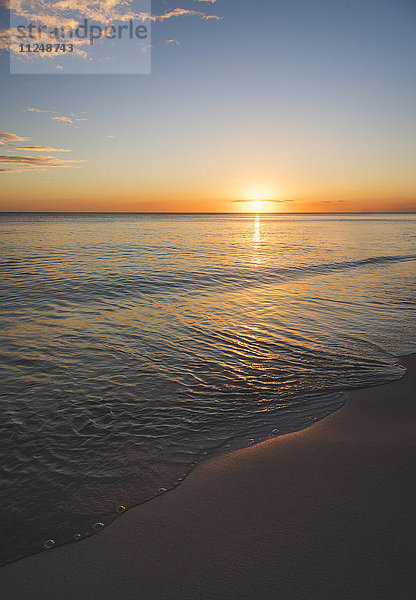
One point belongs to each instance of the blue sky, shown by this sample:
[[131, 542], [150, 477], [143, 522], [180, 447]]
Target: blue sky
[[301, 104]]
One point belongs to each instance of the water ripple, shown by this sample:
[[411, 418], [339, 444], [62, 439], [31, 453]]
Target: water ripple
[[133, 346]]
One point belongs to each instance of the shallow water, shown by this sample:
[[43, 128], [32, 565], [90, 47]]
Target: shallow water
[[134, 345]]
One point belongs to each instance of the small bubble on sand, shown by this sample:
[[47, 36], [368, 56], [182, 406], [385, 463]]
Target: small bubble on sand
[[161, 490], [49, 544], [120, 508], [77, 537], [98, 526]]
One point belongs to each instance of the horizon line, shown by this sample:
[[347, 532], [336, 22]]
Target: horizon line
[[138, 212]]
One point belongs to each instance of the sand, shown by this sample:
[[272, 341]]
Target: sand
[[324, 514]]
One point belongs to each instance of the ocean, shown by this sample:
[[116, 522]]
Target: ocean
[[135, 346]]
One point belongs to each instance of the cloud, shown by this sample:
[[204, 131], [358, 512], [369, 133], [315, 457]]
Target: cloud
[[11, 137], [49, 15], [184, 12], [69, 12], [38, 110], [17, 163], [173, 42], [269, 200], [45, 19], [108, 11], [38, 161], [41, 149], [331, 201], [5, 36], [110, 136], [71, 120], [64, 119]]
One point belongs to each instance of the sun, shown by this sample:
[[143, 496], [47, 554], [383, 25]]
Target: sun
[[258, 206], [258, 198]]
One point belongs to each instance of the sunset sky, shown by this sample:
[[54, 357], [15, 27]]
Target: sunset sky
[[295, 105]]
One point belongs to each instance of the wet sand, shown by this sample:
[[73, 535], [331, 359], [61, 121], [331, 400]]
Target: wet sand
[[324, 514]]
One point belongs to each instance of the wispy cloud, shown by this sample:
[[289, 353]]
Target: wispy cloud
[[63, 119], [17, 163], [5, 37], [11, 137], [184, 12], [110, 136], [69, 120], [23, 164], [269, 200], [39, 161], [41, 149], [39, 110], [108, 11], [69, 13]]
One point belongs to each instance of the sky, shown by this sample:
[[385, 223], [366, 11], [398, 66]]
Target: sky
[[276, 106]]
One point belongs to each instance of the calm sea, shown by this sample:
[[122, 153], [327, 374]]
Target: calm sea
[[133, 346]]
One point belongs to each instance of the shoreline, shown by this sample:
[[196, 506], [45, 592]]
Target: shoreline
[[278, 518]]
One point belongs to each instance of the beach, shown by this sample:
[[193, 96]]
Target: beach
[[324, 513], [207, 300]]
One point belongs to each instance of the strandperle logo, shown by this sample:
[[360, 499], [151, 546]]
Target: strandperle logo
[[80, 37], [83, 31]]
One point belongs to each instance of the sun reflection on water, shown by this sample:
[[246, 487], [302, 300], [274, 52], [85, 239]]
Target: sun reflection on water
[[256, 241]]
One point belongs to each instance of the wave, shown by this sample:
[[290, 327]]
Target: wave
[[113, 286]]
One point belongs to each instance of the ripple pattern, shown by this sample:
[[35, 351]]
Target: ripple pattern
[[133, 346]]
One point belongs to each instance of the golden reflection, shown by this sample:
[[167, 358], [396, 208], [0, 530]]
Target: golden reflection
[[256, 234], [256, 240]]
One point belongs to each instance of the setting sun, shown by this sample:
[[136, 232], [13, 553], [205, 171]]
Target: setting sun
[[258, 206], [259, 198]]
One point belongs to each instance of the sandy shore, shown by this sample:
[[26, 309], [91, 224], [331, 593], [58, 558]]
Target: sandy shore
[[324, 514]]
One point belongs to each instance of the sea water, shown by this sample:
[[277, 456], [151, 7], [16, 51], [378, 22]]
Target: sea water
[[135, 345]]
